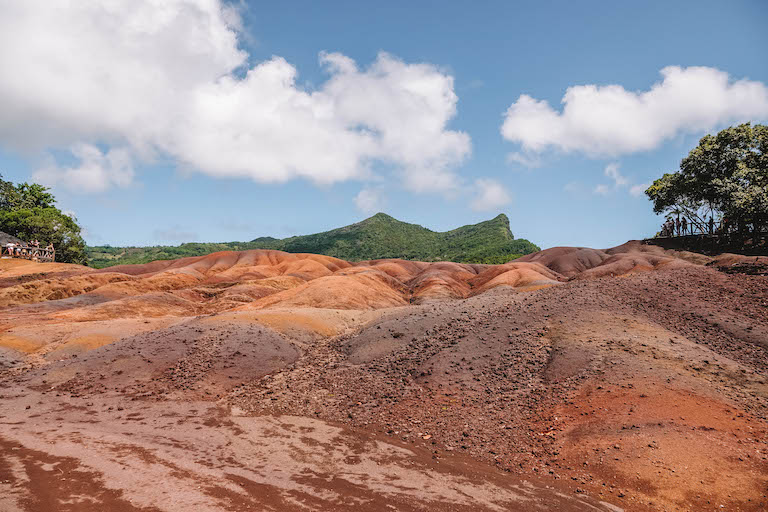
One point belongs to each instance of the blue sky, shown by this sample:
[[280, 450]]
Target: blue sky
[[152, 141]]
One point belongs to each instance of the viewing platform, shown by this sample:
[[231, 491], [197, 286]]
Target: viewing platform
[[28, 252]]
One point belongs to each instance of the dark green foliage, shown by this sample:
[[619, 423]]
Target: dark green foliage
[[27, 211], [378, 237], [725, 176]]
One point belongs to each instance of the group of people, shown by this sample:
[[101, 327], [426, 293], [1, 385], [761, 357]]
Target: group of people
[[674, 227], [681, 227], [29, 251]]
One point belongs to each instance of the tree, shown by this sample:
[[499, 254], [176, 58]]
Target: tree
[[32, 195], [9, 195], [27, 211], [725, 176]]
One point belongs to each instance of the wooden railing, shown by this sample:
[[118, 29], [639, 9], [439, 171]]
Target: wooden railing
[[29, 252]]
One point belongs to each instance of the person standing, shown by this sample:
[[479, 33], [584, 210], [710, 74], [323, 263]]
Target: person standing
[[711, 225], [677, 224], [685, 226]]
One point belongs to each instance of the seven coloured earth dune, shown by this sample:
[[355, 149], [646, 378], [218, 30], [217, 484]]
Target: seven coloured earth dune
[[573, 379]]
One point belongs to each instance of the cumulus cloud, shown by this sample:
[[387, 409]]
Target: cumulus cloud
[[96, 171], [489, 195], [619, 181], [610, 120], [369, 200], [168, 78]]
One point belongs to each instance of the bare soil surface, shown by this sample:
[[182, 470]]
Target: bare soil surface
[[577, 380]]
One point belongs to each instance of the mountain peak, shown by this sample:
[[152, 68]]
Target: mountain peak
[[380, 217], [500, 218]]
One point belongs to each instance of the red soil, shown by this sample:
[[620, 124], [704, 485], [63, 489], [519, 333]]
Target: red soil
[[631, 378]]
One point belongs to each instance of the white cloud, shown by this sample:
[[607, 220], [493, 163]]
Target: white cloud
[[369, 200], [95, 172], [167, 78], [639, 189], [489, 195], [619, 181], [612, 171], [609, 120]]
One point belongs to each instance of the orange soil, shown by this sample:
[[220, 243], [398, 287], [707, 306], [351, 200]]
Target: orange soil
[[264, 279], [641, 393]]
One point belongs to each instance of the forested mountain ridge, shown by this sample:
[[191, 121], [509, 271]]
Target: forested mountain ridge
[[377, 237]]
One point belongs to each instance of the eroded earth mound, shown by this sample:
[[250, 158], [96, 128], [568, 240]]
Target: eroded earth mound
[[631, 378]]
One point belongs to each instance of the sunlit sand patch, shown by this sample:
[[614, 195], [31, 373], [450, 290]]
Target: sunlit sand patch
[[20, 344], [56, 340]]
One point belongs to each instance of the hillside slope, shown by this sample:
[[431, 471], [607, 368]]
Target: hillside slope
[[377, 237], [573, 379]]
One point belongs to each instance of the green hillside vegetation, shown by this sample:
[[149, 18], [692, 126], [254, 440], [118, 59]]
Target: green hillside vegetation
[[377, 237]]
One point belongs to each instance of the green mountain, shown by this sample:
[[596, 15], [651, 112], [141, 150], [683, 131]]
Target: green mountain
[[377, 237]]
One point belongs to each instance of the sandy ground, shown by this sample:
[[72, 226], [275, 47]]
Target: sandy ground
[[610, 380]]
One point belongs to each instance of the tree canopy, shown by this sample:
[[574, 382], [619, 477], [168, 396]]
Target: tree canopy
[[28, 211], [725, 177]]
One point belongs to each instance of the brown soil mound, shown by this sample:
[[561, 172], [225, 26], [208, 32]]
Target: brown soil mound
[[55, 289], [263, 279], [625, 387], [632, 378], [568, 261], [254, 275], [627, 263], [359, 289], [585, 263], [516, 274], [142, 306]]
